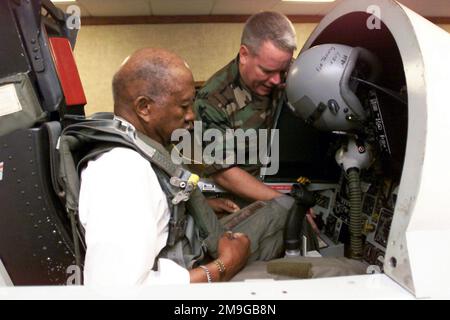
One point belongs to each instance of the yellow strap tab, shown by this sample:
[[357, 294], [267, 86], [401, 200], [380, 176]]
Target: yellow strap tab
[[194, 179], [303, 181]]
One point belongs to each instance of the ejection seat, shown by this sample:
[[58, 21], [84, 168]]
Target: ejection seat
[[39, 88]]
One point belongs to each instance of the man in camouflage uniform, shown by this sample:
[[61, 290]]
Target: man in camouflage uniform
[[245, 95]]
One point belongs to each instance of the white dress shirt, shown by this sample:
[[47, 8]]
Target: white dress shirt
[[125, 214]]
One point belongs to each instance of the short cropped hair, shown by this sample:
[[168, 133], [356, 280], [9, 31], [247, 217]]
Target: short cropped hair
[[150, 71], [269, 26], [154, 73]]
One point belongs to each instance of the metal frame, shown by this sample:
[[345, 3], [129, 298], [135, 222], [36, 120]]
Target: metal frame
[[5, 280]]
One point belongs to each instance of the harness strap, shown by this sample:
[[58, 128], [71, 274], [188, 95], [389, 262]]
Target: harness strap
[[84, 141], [117, 131]]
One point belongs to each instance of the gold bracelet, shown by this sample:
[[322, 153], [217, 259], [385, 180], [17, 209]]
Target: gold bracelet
[[221, 266], [208, 274]]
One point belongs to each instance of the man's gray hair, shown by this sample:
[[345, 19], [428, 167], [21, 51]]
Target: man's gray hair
[[269, 26]]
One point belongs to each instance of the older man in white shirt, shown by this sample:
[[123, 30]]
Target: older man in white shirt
[[122, 205]]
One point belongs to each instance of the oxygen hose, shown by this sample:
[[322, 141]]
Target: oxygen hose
[[356, 245]]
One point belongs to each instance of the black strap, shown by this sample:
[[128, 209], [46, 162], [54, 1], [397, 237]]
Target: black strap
[[317, 113], [54, 131]]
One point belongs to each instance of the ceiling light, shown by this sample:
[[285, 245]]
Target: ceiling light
[[63, 1], [309, 0]]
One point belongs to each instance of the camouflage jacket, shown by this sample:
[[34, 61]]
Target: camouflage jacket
[[225, 102]]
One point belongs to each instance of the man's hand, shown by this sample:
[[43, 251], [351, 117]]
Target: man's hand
[[222, 206], [234, 250]]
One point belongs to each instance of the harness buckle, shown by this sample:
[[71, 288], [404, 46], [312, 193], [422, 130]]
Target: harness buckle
[[186, 186]]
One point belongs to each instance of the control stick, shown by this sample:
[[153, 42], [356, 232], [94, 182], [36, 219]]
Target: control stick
[[304, 200]]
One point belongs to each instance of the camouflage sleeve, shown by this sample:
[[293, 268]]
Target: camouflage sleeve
[[215, 122], [212, 117]]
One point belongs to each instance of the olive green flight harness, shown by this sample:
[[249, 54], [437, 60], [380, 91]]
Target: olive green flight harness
[[190, 235]]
